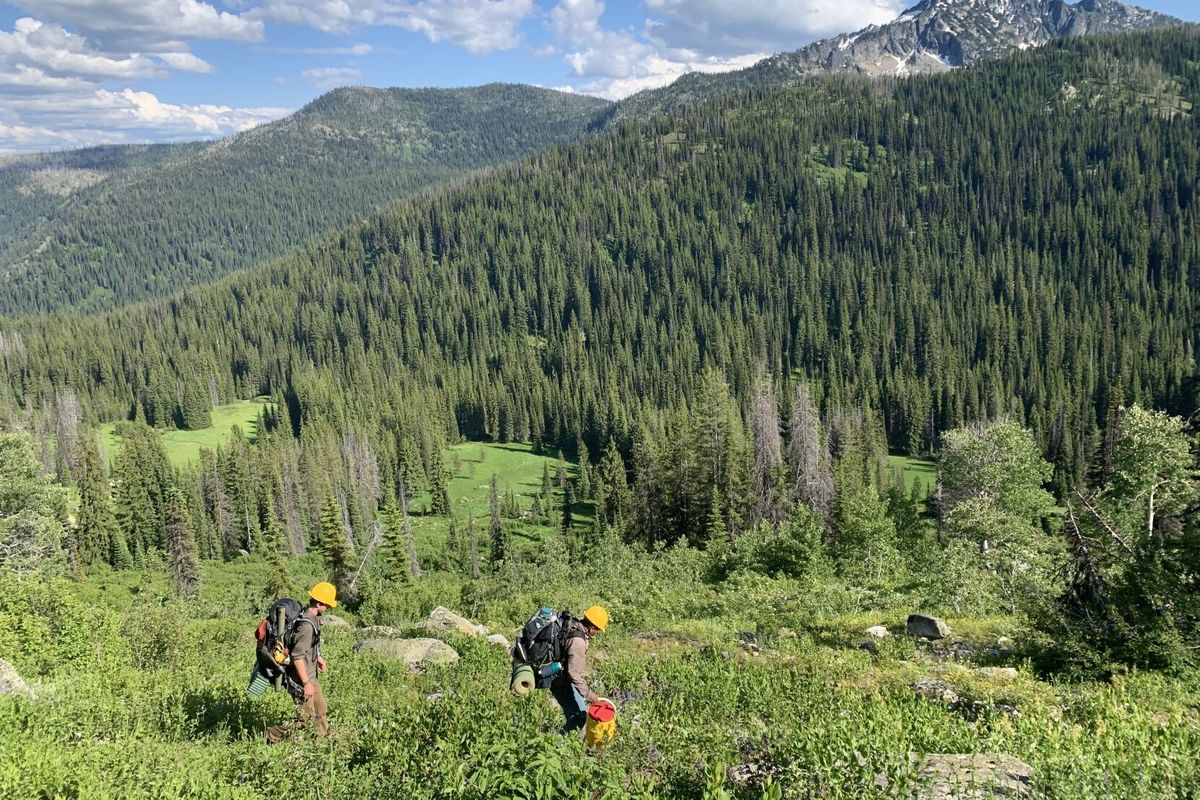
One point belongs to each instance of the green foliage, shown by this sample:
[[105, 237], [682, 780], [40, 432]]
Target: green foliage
[[32, 509], [1132, 595]]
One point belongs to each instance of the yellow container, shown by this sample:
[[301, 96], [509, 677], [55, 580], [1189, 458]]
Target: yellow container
[[601, 723]]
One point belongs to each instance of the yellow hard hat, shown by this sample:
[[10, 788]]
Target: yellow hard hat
[[325, 592], [598, 616]]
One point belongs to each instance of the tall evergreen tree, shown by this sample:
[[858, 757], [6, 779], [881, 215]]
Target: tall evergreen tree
[[96, 526], [181, 547]]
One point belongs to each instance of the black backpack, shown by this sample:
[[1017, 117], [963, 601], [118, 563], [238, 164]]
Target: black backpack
[[543, 638], [275, 636]]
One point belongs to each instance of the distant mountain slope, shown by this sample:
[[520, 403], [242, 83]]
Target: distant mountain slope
[[95, 228], [932, 36]]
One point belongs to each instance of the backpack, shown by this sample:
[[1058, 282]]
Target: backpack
[[274, 638], [544, 637]]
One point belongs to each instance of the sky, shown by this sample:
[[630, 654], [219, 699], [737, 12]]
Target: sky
[[76, 73]]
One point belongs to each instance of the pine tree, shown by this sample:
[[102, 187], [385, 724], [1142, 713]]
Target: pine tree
[[568, 507], [181, 548], [196, 406], [495, 526], [97, 525], [472, 548], [333, 543]]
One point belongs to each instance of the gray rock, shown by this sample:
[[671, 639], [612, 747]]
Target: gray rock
[[443, 620], [878, 631], [499, 640], [331, 621], [999, 673], [935, 690], [985, 776], [415, 652], [929, 627], [1004, 643], [11, 683], [379, 632]]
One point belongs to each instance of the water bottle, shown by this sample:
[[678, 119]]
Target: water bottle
[[551, 669]]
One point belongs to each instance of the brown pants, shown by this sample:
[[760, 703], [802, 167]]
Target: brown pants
[[310, 711]]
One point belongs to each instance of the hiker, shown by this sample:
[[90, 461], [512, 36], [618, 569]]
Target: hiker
[[569, 686], [306, 663]]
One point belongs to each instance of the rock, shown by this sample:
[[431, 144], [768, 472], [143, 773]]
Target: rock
[[869, 645], [999, 673], [878, 631], [1004, 643], [929, 627], [11, 683], [986, 776], [330, 621], [416, 652], [499, 640], [243, 553], [380, 632], [935, 690], [443, 620]]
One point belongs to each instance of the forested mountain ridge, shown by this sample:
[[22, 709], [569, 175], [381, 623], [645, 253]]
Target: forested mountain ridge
[[944, 249], [932, 36], [86, 231]]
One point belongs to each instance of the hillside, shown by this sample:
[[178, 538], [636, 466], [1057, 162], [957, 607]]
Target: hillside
[[932, 36], [940, 255], [95, 228]]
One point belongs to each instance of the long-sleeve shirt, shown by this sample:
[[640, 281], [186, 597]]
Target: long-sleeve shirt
[[305, 647], [575, 665]]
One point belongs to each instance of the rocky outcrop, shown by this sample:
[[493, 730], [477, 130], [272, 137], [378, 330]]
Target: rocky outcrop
[[985, 776], [416, 653], [11, 684]]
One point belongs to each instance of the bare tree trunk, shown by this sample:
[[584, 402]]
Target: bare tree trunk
[[768, 451], [808, 455]]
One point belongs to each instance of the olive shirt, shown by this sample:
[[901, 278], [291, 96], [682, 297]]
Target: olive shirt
[[306, 645]]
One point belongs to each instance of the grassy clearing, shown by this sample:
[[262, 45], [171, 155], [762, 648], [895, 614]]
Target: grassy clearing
[[922, 471], [518, 470], [183, 447]]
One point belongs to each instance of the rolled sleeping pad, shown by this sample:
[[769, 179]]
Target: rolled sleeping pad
[[523, 681]]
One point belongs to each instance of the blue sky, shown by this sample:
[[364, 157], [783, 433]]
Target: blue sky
[[82, 72]]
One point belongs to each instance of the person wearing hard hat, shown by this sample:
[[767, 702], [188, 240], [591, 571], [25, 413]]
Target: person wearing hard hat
[[569, 687], [306, 663]]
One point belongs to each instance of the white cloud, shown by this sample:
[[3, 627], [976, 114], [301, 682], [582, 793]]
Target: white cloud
[[358, 49], [146, 25], [41, 122], [50, 49], [479, 26], [329, 77], [733, 27], [696, 36]]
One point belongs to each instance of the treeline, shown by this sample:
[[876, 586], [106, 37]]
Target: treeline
[[153, 228]]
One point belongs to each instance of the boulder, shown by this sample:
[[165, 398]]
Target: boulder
[[380, 632], [984, 776], [499, 640], [878, 631], [11, 683], [928, 627], [935, 690], [442, 620], [1004, 644], [999, 673], [330, 621], [415, 652]]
